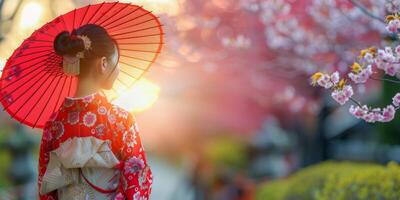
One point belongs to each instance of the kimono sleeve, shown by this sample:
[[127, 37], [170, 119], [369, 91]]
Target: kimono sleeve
[[136, 171], [45, 146]]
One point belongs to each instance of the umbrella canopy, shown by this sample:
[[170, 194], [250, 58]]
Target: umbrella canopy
[[33, 84]]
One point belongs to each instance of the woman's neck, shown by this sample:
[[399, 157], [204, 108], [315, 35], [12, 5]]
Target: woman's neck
[[86, 87]]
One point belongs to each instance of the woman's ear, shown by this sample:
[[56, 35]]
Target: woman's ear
[[103, 63]]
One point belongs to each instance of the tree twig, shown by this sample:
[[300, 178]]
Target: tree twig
[[366, 11], [355, 101], [384, 79]]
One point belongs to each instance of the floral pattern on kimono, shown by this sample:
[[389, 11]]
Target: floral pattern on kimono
[[93, 116]]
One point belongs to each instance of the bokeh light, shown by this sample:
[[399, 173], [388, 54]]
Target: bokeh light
[[31, 14]]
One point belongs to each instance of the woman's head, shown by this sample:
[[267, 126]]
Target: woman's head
[[99, 62]]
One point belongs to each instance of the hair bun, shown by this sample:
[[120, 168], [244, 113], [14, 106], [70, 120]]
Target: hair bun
[[67, 44]]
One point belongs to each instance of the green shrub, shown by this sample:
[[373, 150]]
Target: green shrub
[[271, 191], [336, 180], [366, 183], [226, 151]]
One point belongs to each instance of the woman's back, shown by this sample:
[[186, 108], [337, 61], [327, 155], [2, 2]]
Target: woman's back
[[92, 148]]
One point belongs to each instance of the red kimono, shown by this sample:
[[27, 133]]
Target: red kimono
[[91, 135]]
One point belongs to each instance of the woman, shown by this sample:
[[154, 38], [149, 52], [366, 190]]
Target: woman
[[91, 149]]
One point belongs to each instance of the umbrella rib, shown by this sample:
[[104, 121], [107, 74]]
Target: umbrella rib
[[115, 91], [106, 19], [40, 47], [134, 82], [27, 101], [103, 14], [32, 53], [55, 27], [43, 69], [84, 15], [105, 25], [73, 20], [95, 13], [40, 30], [48, 100], [125, 27], [33, 40], [138, 30], [127, 73], [64, 24], [140, 76], [137, 17], [59, 95], [123, 55], [9, 67], [129, 43], [4, 78], [8, 105], [140, 36], [3, 87], [43, 32], [122, 82], [136, 79], [37, 89], [138, 50], [130, 65]]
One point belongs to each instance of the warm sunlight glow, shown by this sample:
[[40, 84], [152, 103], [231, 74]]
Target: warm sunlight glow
[[171, 7], [142, 96], [31, 14]]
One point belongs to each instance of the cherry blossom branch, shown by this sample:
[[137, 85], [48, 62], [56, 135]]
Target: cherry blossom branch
[[386, 59], [366, 11], [342, 92], [355, 101], [384, 79]]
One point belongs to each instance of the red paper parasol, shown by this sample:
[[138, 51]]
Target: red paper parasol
[[33, 85]]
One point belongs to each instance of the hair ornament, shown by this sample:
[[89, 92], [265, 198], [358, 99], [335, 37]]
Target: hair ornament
[[71, 64]]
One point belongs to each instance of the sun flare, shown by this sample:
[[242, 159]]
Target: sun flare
[[140, 97], [31, 14]]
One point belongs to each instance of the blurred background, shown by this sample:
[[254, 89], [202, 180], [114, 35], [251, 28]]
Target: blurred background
[[227, 111]]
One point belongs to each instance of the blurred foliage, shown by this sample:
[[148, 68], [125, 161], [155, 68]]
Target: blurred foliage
[[225, 151], [4, 159], [273, 190], [336, 181]]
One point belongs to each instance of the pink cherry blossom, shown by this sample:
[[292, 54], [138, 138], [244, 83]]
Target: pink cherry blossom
[[396, 100], [369, 57], [325, 81], [393, 26], [388, 113], [373, 115], [335, 77], [358, 111], [362, 76], [342, 95]]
